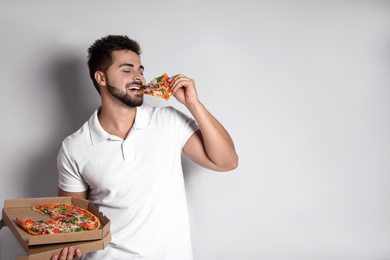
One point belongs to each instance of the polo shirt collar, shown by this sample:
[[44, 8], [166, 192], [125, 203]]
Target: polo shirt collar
[[98, 134]]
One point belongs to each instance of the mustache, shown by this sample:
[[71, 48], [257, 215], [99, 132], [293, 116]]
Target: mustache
[[135, 82]]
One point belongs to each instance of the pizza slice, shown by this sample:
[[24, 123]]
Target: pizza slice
[[40, 227], [158, 87]]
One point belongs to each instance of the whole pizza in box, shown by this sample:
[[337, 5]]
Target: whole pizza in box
[[65, 219]]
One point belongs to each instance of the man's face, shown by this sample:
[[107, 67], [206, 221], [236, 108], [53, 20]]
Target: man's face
[[125, 77]]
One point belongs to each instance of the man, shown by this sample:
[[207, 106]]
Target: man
[[126, 158]]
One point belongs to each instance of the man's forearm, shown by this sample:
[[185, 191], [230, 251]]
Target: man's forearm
[[218, 144]]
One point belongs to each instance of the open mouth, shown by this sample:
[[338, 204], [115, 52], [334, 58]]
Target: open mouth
[[134, 85]]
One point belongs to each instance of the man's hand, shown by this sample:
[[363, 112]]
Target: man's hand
[[68, 254], [183, 89]]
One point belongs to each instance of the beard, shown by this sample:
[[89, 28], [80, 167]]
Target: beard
[[124, 97]]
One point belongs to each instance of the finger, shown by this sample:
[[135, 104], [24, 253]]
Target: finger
[[176, 78], [70, 253], [64, 254], [181, 83], [180, 78], [54, 257], [78, 253]]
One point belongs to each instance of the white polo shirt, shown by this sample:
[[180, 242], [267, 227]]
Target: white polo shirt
[[137, 182]]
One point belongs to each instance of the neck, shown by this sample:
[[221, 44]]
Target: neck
[[117, 120]]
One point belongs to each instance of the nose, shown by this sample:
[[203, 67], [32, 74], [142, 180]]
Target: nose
[[138, 76]]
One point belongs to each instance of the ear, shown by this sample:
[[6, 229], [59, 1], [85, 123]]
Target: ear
[[100, 78]]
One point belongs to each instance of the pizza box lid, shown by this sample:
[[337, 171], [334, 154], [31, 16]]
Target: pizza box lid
[[22, 208]]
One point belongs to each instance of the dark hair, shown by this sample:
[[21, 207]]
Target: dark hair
[[100, 53]]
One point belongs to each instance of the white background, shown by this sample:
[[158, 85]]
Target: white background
[[302, 87]]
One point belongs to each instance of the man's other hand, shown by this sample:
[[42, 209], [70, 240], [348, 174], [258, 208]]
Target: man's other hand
[[68, 254]]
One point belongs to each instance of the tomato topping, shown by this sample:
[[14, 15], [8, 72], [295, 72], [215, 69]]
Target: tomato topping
[[56, 230], [51, 223], [85, 225], [29, 222]]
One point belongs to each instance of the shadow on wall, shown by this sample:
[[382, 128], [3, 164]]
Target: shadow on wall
[[74, 100]]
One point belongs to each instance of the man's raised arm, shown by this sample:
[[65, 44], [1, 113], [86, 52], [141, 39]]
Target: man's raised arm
[[211, 146]]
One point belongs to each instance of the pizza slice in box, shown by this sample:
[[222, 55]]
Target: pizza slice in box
[[158, 87]]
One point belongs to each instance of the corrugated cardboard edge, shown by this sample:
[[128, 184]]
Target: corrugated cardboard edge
[[85, 247]]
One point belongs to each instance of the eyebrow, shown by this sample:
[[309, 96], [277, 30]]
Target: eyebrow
[[131, 65]]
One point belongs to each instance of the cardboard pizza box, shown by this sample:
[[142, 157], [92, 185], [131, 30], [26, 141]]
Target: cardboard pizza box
[[22, 208]]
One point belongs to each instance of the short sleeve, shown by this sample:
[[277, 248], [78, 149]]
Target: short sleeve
[[187, 126], [69, 178]]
